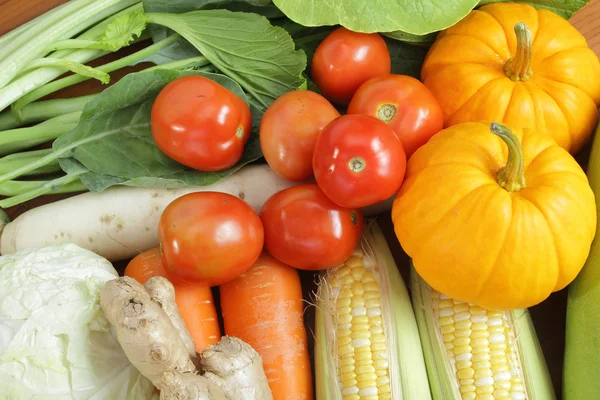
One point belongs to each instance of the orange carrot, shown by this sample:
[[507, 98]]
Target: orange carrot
[[195, 304], [263, 307]]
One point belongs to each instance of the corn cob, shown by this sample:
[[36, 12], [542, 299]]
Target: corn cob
[[367, 344], [477, 354]]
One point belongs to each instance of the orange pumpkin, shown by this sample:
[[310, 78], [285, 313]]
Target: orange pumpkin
[[514, 64], [497, 220]]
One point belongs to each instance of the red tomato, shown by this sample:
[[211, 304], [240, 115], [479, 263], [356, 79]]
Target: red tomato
[[345, 59], [405, 104], [358, 161], [289, 130], [200, 124], [306, 230], [209, 238]]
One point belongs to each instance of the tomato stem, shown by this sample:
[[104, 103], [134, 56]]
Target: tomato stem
[[518, 68], [357, 164], [512, 176], [386, 112], [239, 132]]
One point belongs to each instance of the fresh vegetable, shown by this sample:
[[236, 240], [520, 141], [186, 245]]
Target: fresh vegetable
[[144, 330], [237, 368], [78, 15], [289, 130], [266, 66], [358, 161], [121, 222], [55, 339], [17, 160], [472, 352], [413, 16], [264, 308], [500, 219], [306, 230], [88, 11], [345, 59], [195, 303], [42, 111], [542, 77], [209, 238], [367, 343], [402, 102], [14, 140], [200, 123], [582, 355], [180, 386], [233, 369], [162, 292]]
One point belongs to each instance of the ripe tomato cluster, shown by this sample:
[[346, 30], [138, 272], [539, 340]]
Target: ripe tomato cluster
[[356, 160]]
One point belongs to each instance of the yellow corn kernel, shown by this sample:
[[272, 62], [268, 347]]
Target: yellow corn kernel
[[481, 350]]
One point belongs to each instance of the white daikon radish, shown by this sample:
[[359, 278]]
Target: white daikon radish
[[122, 222]]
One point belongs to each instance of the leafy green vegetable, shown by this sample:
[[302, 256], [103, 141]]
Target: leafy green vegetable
[[72, 66], [179, 50], [114, 136], [56, 342], [113, 140], [417, 17], [564, 8], [417, 40], [260, 57], [406, 59], [123, 30], [122, 151], [262, 7], [183, 6], [306, 38]]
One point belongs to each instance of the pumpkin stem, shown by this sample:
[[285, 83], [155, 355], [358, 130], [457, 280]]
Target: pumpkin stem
[[512, 176], [518, 68]]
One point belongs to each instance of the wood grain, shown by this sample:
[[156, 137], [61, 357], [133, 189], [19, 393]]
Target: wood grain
[[587, 21], [549, 316]]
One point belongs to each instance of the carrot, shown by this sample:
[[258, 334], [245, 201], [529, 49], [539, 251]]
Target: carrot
[[263, 307], [195, 304]]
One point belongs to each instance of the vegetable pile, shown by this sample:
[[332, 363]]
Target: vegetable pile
[[238, 178]]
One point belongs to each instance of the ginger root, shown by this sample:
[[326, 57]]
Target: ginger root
[[162, 292], [188, 386], [144, 331], [147, 322], [237, 368]]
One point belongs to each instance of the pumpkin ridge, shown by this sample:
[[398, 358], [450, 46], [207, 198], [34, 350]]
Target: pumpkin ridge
[[467, 195], [507, 33], [498, 25], [477, 92], [493, 193], [512, 94], [535, 110], [534, 36], [480, 41], [552, 235], [541, 79], [560, 52], [485, 281], [531, 160]]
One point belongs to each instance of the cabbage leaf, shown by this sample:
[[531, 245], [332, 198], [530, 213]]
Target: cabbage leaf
[[55, 342]]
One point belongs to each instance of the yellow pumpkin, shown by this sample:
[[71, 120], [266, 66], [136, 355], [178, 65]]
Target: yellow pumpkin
[[513, 64], [495, 216]]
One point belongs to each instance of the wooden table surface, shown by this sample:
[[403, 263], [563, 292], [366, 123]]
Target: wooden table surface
[[549, 317]]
